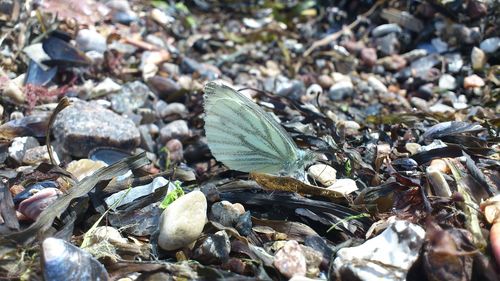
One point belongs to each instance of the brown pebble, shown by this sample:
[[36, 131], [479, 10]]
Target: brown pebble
[[369, 56]]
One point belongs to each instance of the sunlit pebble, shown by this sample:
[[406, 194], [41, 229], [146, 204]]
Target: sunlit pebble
[[473, 81], [325, 81]]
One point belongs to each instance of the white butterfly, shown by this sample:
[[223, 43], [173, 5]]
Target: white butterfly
[[246, 138]]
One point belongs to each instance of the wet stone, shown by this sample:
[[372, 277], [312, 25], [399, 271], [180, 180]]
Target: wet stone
[[84, 126]]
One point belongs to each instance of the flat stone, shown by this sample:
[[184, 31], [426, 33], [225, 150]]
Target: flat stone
[[182, 221], [85, 126]]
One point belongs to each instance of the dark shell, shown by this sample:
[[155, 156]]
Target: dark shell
[[108, 155], [405, 164], [63, 54], [38, 76], [29, 190], [61, 261]]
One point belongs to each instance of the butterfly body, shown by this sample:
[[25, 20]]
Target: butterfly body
[[244, 137]]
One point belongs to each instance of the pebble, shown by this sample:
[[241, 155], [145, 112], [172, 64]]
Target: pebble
[[163, 87], [447, 82], [473, 81], [325, 81], [341, 90], [368, 56], [351, 127], [131, 96], [344, 186], [214, 249], [160, 17], [313, 260], [290, 260], [37, 155], [19, 147], [174, 108], [412, 147], [322, 173], [182, 221], [377, 85], [84, 126], [478, 58], [490, 45], [176, 150], [226, 213], [13, 91], [90, 40], [174, 129]]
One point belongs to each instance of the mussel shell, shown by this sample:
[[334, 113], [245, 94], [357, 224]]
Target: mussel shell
[[108, 155], [63, 54], [62, 261], [38, 76], [404, 164], [28, 191]]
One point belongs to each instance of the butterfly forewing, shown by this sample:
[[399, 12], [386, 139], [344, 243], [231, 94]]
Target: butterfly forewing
[[242, 135]]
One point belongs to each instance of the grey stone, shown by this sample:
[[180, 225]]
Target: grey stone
[[84, 126], [131, 96]]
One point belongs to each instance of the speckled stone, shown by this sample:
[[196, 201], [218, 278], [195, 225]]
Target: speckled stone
[[84, 126]]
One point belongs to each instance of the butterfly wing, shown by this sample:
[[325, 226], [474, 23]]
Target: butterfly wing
[[242, 135]]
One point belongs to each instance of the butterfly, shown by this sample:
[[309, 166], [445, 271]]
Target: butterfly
[[245, 138]]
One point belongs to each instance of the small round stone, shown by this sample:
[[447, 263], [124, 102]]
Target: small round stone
[[182, 221]]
